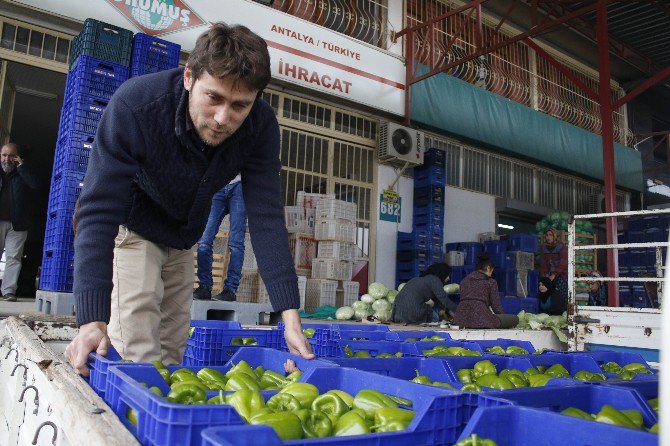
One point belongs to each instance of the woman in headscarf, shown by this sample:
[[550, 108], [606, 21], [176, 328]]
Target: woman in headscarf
[[480, 303], [411, 305], [554, 267], [597, 291]]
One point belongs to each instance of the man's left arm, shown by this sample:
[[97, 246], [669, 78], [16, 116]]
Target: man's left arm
[[27, 176], [269, 238]]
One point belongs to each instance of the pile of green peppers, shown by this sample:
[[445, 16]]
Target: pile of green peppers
[[441, 350], [511, 350], [434, 338], [610, 415], [366, 354], [626, 372], [422, 379], [476, 440]]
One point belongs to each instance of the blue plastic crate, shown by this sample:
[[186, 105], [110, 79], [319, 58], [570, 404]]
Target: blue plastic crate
[[635, 237], [104, 41], [456, 363], [654, 235], [424, 255], [458, 273], [507, 280], [95, 77], [624, 257], [428, 219], [625, 297], [402, 336], [522, 426], [572, 363], [411, 269], [471, 249], [274, 360], [499, 259], [416, 349], [58, 235], [151, 54], [587, 397], [99, 366], [418, 240], [513, 305], [533, 283], [213, 346], [81, 113], [622, 358], [360, 335], [428, 195], [429, 176], [64, 192], [72, 152], [435, 157], [523, 242], [429, 212], [504, 343], [647, 388], [373, 347], [57, 270], [495, 246]]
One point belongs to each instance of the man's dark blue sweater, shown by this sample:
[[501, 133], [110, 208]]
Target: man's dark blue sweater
[[147, 173]]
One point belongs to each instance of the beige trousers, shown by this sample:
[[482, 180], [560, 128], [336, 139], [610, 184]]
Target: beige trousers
[[151, 299]]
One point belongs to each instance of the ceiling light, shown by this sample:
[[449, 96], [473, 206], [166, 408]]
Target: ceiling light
[[500, 225]]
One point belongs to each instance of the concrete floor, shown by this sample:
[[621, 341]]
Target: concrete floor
[[22, 305]]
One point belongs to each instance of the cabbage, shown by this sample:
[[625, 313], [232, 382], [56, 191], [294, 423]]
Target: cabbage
[[452, 288], [544, 321], [381, 305], [400, 287], [391, 296], [344, 313], [368, 299], [377, 290], [358, 305], [383, 316], [361, 314]]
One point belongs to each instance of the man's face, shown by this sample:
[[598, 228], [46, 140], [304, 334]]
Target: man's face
[[8, 157], [217, 106]]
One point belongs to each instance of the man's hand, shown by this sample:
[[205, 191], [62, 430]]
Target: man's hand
[[552, 277], [18, 160], [92, 337], [295, 340]]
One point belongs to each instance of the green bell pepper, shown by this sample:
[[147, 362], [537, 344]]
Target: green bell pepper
[[433, 338], [531, 371], [241, 367], [241, 381], [389, 419], [584, 375], [260, 412], [610, 415], [294, 376], [636, 367], [516, 350], [362, 354], [484, 367], [305, 393], [284, 402], [471, 387], [348, 399], [476, 440], [411, 339], [353, 422], [577, 413], [220, 398], [182, 375], [273, 379], [243, 341], [206, 374], [330, 404], [246, 402], [420, 379], [494, 382], [505, 373], [259, 371], [441, 384], [635, 416], [465, 376], [557, 371], [389, 355], [192, 381], [187, 393], [653, 403], [285, 424], [347, 352], [314, 423], [654, 429], [538, 380], [517, 381], [496, 350], [131, 416], [541, 368], [611, 367], [627, 375], [164, 372], [309, 332], [401, 401], [370, 400], [156, 390]]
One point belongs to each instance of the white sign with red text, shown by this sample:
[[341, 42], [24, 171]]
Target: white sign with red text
[[302, 53]]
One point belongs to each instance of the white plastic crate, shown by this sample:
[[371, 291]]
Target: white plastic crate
[[335, 230], [303, 250], [522, 260], [294, 216], [309, 200], [347, 294], [337, 250], [247, 290], [310, 221], [331, 269], [264, 297], [320, 292], [486, 236], [249, 256], [455, 258], [331, 209]]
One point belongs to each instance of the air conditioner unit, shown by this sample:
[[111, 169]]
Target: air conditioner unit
[[399, 144]]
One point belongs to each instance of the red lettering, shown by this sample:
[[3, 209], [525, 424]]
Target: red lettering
[[337, 85], [325, 81], [314, 79], [302, 74]]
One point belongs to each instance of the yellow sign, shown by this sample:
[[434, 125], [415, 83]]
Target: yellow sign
[[390, 196]]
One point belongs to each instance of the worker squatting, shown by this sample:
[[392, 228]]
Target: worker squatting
[[313, 77]]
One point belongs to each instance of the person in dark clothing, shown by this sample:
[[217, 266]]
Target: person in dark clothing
[[17, 184], [546, 291], [165, 145], [554, 268], [480, 306], [411, 307]]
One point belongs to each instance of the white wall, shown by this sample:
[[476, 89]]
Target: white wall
[[387, 231], [467, 214]]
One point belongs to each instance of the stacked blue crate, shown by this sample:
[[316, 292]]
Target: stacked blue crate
[[151, 55], [422, 247], [637, 262], [99, 62]]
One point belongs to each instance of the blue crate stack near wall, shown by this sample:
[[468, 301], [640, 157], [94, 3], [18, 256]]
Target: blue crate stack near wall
[[424, 246], [151, 55], [99, 60]]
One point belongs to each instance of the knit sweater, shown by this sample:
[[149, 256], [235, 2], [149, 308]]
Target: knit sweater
[[146, 173], [479, 295]]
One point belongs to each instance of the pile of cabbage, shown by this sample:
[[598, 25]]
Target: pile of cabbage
[[378, 302], [530, 321]]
